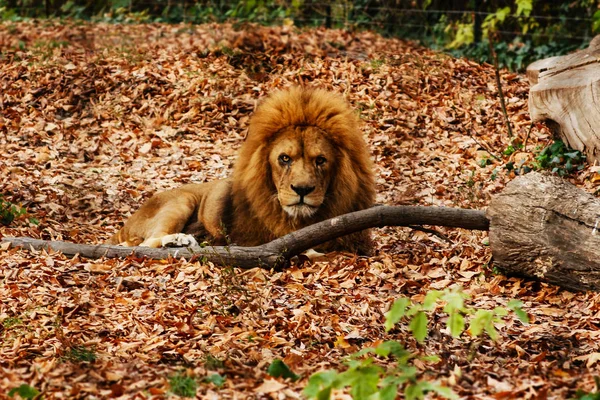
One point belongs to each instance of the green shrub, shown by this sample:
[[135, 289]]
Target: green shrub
[[366, 377], [560, 159], [81, 354], [10, 212], [24, 391], [183, 385]]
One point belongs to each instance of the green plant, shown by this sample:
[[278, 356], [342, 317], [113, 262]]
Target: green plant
[[366, 378], [216, 379], [511, 148], [376, 64], [534, 38], [560, 159], [582, 395], [10, 212], [81, 354], [211, 362], [183, 385], [454, 306], [231, 288], [278, 369], [24, 391], [9, 322], [45, 48], [596, 21], [369, 380]]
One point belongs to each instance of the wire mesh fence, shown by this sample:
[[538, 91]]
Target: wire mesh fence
[[544, 29], [577, 16]]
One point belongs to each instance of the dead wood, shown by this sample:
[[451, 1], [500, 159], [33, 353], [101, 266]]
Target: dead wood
[[543, 227], [564, 94], [277, 252]]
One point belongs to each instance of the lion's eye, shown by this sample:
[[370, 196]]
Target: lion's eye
[[320, 160], [284, 159]]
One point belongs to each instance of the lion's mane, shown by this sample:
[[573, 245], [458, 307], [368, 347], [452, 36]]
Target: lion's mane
[[259, 217]]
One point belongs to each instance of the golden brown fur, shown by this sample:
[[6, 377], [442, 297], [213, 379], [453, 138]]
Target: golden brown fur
[[304, 161]]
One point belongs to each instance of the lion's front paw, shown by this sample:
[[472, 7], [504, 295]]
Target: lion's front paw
[[178, 240]]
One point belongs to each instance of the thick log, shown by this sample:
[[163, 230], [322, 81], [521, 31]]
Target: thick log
[[565, 93], [279, 251], [543, 227]]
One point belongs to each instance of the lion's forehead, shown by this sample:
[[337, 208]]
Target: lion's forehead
[[302, 142]]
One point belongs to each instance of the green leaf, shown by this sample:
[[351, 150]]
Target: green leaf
[[509, 150], [24, 391], [362, 352], [500, 311], [278, 369], [396, 312], [413, 391], [431, 359], [216, 379], [418, 326], [502, 13], [516, 305], [524, 7], [491, 331], [480, 321], [431, 298], [596, 24], [183, 385], [439, 389], [394, 348], [388, 392], [588, 396], [569, 166], [456, 324], [320, 384], [365, 382], [455, 300]]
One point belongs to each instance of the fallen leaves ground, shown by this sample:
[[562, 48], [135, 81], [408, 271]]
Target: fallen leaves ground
[[96, 117]]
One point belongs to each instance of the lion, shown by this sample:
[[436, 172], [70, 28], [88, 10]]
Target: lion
[[304, 160]]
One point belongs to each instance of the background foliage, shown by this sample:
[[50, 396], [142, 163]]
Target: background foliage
[[523, 30]]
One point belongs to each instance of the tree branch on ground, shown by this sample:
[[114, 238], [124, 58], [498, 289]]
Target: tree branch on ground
[[279, 251]]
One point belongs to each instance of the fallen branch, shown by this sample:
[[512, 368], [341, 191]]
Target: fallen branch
[[277, 252]]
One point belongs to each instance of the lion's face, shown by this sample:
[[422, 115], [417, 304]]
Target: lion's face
[[304, 160], [301, 161]]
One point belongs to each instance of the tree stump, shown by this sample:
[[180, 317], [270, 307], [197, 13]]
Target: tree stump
[[545, 228], [565, 92]]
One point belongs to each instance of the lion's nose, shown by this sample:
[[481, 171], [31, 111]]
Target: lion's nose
[[302, 190]]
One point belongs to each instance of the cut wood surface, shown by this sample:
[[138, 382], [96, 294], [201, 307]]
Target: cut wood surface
[[543, 227], [278, 251], [564, 93]]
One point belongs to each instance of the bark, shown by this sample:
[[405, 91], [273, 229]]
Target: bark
[[541, 227], [279, 251], [545, 228], [565, 93]]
